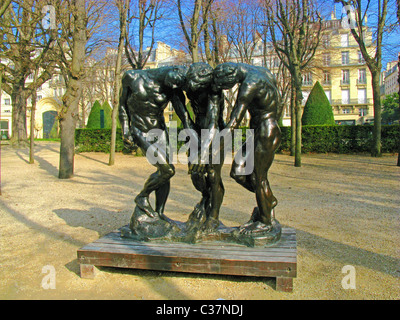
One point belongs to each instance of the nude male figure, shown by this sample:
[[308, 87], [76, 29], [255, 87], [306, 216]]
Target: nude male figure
[[145, 94], [207, 109], [257, 94]]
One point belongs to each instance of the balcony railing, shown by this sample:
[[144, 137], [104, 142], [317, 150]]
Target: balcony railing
[[351, 101], [345, 82], [361, 81], [339, 63]]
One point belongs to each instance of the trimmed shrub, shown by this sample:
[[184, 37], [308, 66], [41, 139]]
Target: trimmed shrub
[[318, 110], [99, 116], [96, 140]]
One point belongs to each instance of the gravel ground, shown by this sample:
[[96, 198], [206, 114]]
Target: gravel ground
[[345, 209]]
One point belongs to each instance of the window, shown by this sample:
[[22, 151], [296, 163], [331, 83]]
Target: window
[[7, 102], [344, 40], [305, 96], [328, 94], [3, 129], [346, 110], [345, 57], [39, 98], [362, 76], [307, 79], [362, 95], [345, 96], [360, 58], [363, 112], [325, 40], [326, 77], [345, 77], [326, 59]]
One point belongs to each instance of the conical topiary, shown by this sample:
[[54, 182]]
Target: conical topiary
[[318, 110], [99, 116]]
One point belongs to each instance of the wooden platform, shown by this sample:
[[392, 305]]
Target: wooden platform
[[278, 261]]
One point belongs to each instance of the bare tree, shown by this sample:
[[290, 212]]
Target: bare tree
[[357, 13], [73, 17], [122, 6], [215, 41], [241, 29], [295, 28], [143, 17], [193, 27], [26, 46]]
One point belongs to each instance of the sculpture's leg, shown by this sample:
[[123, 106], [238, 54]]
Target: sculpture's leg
[[217, 192], [267, 141], [267, 137], [158, 181], [161, 198]]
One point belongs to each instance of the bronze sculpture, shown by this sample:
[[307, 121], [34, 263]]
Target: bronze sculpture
[[145, 94], [207, 108], [144, 97], [258, 94]]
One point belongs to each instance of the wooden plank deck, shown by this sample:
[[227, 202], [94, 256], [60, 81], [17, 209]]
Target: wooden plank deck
[[278, 260]]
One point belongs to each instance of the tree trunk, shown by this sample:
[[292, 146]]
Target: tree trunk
[[19, 131], [67, 146], [195, 51], [117, 81], [293, 121], [297, 79], [69, 115], [32, 130], [297, 156], [376, 150], [398, 80]]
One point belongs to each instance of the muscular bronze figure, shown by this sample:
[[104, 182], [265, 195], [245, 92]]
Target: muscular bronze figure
[[144, 96], [207, 110], [257, 94]]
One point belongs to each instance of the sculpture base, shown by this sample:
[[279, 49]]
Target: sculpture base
[[278, 260], [145, 228]]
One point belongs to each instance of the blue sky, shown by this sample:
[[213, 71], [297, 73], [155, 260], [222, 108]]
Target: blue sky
[[169, 29]]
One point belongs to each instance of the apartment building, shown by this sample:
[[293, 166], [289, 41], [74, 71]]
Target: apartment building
[[391, 84], [339, 67], [341, 70]]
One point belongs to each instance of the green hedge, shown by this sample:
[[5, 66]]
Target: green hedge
[[342, 139], [96, 140], [315, 139]]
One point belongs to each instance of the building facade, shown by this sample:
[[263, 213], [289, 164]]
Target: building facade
[[391, 77], [340, 68]]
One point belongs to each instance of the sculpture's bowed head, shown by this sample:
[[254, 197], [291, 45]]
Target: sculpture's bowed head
[[176, 77], [225, 76], [199, 76]]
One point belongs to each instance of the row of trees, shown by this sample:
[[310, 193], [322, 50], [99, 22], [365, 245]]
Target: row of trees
[[45, 37]]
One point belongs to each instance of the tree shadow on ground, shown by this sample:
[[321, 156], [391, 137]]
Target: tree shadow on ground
[[347, 254]]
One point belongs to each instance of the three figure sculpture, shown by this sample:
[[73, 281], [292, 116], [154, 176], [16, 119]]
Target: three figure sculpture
[[145, 95]]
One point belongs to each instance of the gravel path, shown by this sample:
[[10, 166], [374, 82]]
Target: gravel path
[[345, 209]]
